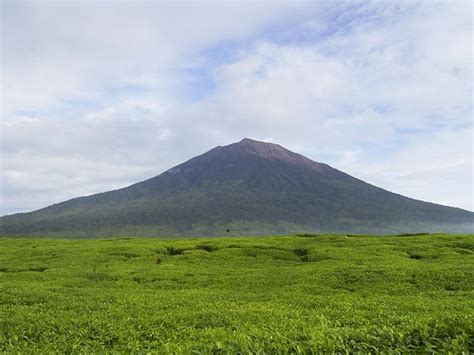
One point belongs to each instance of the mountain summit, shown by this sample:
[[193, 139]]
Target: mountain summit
[[267, 150], [273, 152], [248, 187]]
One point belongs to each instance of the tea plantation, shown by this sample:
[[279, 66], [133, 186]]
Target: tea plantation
[[299, 294]]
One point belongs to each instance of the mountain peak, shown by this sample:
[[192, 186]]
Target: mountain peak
[[270, 151], [247, 140], [265, 149]]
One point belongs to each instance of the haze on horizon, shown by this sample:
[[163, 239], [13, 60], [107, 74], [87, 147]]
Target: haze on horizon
[[97, 95]]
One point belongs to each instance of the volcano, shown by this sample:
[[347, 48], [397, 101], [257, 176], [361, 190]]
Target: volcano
[[245, 188]]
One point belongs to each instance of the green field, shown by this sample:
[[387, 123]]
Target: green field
[[307, 294]]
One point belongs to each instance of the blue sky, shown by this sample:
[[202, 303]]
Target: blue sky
[[97, 95]]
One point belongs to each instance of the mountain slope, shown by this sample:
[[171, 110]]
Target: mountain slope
[[248, 187]]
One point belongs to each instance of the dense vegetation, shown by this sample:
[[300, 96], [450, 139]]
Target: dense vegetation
[[307, 293], [250, 188]]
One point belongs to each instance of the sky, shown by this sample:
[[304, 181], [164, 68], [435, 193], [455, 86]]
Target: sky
[[97, 95]]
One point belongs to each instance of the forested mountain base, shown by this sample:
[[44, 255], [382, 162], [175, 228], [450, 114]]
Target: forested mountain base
[[307, 293]]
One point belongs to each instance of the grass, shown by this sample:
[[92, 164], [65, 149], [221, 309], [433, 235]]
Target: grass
[[300, 294]]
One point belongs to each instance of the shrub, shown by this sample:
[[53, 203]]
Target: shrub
[[414, 255], [207, 247], [174, 250], [300, 251]]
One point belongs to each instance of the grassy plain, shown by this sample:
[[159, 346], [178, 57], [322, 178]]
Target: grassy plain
[[301, 294]]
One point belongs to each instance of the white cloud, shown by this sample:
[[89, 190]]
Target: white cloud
[[434, 167], [53, 50], [378, 94]]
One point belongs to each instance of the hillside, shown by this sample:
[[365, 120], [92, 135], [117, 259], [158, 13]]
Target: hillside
[[249, 187]]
